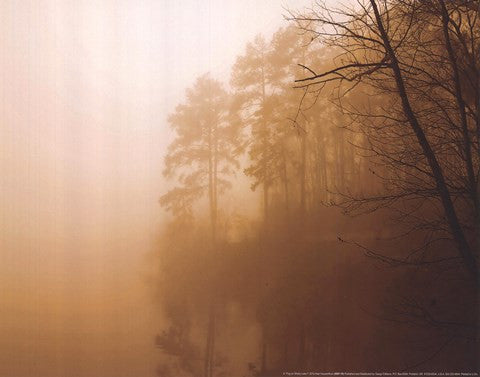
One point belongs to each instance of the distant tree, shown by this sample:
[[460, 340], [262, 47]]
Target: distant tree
[[263, 79], [204, 152], [252, 79], [288, 48], [202, 157]]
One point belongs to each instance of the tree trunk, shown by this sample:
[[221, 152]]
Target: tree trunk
[[212, 191], [321, 168], [265, 154], [450, 212], [215, 186], [303, 174], [285, 184], [340, 160], [461, 107]]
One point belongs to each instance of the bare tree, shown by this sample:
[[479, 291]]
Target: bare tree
[[426, 138], [417, 64]]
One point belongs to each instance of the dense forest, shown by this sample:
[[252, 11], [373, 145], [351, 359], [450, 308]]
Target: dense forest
[[324, 202]]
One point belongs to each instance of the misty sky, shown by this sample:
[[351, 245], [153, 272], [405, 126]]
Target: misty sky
[[85, 89]]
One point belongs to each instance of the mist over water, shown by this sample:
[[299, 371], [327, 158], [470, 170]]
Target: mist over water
[[85, 91]]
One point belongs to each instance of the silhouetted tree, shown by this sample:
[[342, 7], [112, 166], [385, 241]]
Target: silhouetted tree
[[388, 44], [421, 124]]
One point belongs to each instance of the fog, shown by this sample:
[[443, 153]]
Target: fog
[[85, 91], [115, 251]]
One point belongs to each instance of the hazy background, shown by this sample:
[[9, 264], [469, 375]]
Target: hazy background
[[85, 87]]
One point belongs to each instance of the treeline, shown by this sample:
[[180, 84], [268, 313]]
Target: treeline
[[370, 111], [296, 159]]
